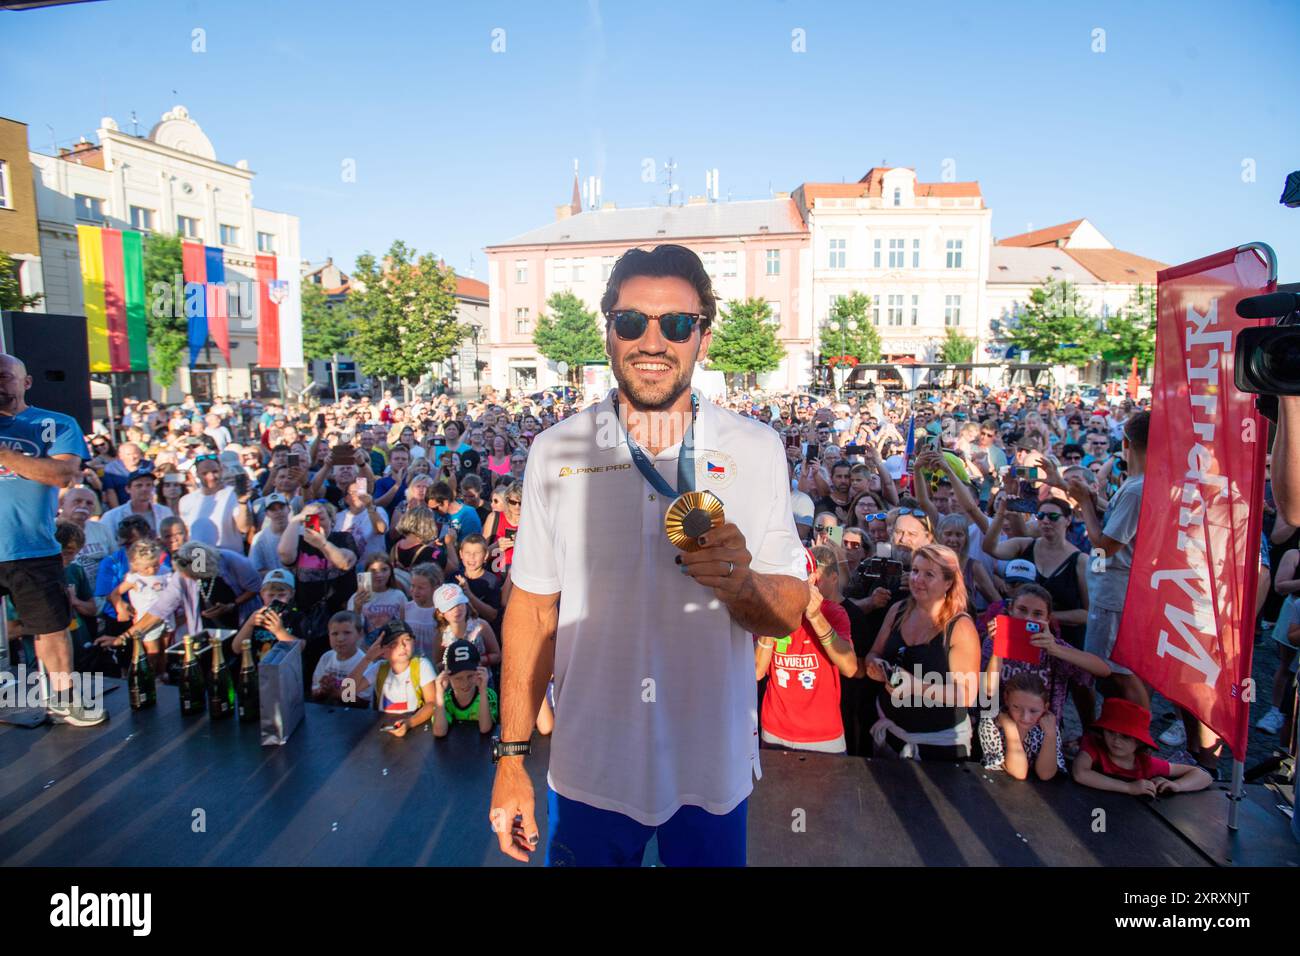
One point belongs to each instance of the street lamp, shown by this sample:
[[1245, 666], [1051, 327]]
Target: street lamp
[[830, 363], [478, 388]]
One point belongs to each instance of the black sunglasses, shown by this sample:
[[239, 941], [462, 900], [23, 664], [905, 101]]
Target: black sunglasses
[[1049, 516], [630, 325]]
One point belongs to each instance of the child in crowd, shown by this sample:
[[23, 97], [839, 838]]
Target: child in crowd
[[277, 620], [420, 614], [403, 680], [81, 595], [1061, 666], [481, 586], [382, 601], [1117, 756], [462, 687], [1025, 732], [328, 682], [142, 586], [457, 622]]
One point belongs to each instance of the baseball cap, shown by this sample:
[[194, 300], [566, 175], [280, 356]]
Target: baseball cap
[[279, 576], [469, 460], [276, 499], [1020, 570], [448, 596], [803, 508], [144, 471], [460, 656]]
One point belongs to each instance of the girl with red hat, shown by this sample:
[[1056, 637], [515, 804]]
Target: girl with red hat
[[1117, 756]]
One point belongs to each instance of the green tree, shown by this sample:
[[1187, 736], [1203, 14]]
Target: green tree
[[11, 292], [404, 313], [1132, 331], [744, 340], [326, 328], [168, 328], [1056, 326], [956, 348], [862, 341], [568, 333]]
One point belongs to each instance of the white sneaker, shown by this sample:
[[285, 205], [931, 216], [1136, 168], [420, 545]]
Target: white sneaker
[[1271, 722], [1175, 736]]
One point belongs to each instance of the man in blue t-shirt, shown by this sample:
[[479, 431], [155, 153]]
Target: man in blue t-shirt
[[40, 452], [457, 515]]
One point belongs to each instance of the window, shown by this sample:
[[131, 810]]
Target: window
[[6, 200], [577, 270], [898, 196], [953, 247], [875, 253], [875, 310], [188, 228], [729, 263], [90, 208], [229, 235], [839, 253], [952, 310], [710, 260], [916, 253], [896, 253], [521, 270], [835, 301], [916, 308], [606, 268], [561, 271], [774, 305], [774, 262], [895, 314], [265, 242], [523, 322], [141, 219]]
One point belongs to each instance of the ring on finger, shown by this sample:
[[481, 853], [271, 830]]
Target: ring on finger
[[731, 566]]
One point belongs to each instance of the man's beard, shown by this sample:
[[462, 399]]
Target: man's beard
[[8, 401], [653, 397]]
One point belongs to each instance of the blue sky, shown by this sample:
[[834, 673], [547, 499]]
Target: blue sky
[[457, 147]]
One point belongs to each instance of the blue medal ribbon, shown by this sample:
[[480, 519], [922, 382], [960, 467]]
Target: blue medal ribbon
[[685, 459]]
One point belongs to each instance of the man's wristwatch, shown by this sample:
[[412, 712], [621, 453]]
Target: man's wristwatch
[[521, 748]]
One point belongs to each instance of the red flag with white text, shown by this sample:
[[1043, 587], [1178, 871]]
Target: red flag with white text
[[1188, 623]]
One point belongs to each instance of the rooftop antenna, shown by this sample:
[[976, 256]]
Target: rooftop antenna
[[711, 183], [668, 171], [135, 124], [54, 143]]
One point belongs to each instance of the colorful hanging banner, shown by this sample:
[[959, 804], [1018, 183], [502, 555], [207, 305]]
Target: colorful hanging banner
[[269, 295], [112, 288], [215, 299], [194, 267]]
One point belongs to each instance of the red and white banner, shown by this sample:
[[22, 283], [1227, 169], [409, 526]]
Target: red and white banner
[[1189, 615], [268, 314]]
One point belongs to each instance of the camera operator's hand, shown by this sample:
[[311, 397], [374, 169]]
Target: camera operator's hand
[[878, 600]]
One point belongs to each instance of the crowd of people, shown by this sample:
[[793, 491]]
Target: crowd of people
[[380, 534]]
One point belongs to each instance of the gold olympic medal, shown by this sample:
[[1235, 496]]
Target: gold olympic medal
[[690, 516]]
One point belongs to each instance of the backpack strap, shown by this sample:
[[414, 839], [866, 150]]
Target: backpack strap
[[380, 679], [415, 682]]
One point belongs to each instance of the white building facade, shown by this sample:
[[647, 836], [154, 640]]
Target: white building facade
[[171, 182]]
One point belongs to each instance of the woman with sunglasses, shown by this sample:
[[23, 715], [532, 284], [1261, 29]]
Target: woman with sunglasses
[[1062, 568], [501, 528]]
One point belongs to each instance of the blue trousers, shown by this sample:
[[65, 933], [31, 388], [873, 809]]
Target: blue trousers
[[582, 835]]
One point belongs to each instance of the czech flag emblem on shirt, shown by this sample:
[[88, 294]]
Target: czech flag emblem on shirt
[[717, 469]]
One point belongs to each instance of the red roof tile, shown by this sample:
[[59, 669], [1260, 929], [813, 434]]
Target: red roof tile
[[1043, 237]]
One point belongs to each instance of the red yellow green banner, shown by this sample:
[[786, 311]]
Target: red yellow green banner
[[112, 283]]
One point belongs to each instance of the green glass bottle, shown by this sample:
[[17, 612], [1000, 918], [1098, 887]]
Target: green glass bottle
[[249, 707], [221, 695], [193, 689], [140, 683]]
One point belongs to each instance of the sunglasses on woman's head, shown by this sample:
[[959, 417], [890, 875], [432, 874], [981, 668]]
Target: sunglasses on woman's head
[[630, 324]]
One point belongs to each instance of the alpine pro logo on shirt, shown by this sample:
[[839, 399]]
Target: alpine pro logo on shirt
[[566, 471]]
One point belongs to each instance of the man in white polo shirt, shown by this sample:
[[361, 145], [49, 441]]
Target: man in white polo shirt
[[656, 725]]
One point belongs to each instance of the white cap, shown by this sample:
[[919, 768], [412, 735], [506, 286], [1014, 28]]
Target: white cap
[[803, 508]]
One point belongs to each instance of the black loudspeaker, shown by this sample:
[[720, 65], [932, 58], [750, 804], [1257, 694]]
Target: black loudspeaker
[[57, 356]]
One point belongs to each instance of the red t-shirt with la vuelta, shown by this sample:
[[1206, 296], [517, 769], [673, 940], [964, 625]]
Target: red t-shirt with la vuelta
[[802, 701]]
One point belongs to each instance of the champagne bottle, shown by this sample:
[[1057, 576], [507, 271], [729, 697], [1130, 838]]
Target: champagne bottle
[[221, 698], [140, 683], [192, 686], [249, 707]]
